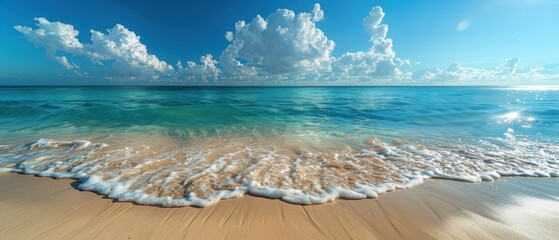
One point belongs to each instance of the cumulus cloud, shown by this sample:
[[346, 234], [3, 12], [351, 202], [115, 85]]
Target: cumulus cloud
[[282, 48], [372, 24], [205, 71], [119, 45], [379, 60], [509, 67], [507, 72], [64, 61], [124, 47], [281, 43], [53, 36], [548, 69], [317, 13], [455, 72]]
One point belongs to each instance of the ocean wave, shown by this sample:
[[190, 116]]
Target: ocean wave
[[168, 172]]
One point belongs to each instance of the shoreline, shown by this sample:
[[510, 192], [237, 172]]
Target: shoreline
[[39, 207]]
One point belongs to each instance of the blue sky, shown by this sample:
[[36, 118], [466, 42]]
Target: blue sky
[[432, 42]]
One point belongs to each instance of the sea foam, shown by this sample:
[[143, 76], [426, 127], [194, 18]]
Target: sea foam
[[202, 173]]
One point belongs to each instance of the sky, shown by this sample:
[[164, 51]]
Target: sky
[[288, 42]]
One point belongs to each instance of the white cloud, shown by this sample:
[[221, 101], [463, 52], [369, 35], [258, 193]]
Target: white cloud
[[282, 43], [229, 36], [550, 69], [53, 36], [317, 13], [283, 48], [64, 61], [120, 45], [507, 72], [124, 47], [455, 72], [380, 60], [509, 67], [372, 24], [205, 71]]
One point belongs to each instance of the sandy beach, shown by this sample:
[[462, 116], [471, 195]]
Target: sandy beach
[[513, 208], [279, 120]]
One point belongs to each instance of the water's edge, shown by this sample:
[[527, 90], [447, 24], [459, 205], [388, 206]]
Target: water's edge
[[149, 178]]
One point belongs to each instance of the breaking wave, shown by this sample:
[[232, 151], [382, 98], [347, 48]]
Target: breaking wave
[[170, 172]]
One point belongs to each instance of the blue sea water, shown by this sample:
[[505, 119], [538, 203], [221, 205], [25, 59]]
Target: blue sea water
[[302, 144]]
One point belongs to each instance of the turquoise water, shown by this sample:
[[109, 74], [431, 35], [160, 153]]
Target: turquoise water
[[406, 134], [422, 113]]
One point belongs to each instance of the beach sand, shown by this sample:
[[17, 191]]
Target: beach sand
[[512, 208]]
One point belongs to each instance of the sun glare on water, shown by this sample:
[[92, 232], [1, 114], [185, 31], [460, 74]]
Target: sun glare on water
[[535, 88], [510, 117]]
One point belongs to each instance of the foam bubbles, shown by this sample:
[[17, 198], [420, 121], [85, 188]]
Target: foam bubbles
[[170, 172]]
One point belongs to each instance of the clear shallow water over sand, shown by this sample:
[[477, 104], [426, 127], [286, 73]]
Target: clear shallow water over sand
[[193, 146]]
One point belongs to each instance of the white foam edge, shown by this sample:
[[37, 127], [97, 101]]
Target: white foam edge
[[119, 190]]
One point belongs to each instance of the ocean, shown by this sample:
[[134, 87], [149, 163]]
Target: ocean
[[181, 146]]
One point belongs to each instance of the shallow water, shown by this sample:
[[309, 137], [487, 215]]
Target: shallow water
[[193, 146]]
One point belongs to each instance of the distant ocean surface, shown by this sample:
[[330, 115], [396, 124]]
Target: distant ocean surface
[[178, 146]]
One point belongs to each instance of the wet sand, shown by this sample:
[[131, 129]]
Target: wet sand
[[512, 208]]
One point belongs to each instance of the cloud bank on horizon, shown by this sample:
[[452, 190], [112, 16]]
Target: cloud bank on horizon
[[282, 48]]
